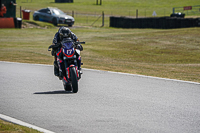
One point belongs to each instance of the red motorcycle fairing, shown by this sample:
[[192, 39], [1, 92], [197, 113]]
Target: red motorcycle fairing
[[68, 73], [65, 80], [59, 52], [77, 72]]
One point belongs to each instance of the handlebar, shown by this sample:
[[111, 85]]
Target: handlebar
[[59, 44], [53, 46]]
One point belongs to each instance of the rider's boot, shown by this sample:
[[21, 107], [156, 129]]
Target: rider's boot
[[56, 69], [60, 64], [79, 66]]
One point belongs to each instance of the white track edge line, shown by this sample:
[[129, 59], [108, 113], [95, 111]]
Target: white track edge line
[[18, 122], [144, 76]]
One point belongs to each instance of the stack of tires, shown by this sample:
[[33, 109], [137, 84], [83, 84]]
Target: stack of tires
[[154, 22], [63, 1]]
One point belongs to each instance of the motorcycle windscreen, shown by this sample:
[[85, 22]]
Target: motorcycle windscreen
[[68, 49]]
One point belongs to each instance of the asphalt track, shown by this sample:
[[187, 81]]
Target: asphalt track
[[107, 102]]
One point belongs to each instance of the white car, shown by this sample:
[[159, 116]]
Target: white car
[[53, 15]]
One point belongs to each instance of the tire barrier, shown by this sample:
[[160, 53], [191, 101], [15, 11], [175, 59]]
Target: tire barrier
[[10, 23], [64, 1], [7, 23], [155, 22], [18, 22]]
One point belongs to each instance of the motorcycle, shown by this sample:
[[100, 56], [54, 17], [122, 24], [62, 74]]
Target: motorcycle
[[69, 72]]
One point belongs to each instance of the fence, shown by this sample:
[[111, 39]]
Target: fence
[[102, 19], [188, 10], [99, 19], [96, 19]]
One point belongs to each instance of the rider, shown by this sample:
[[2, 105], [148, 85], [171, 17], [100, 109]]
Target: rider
[[64, 32], [2, 10]]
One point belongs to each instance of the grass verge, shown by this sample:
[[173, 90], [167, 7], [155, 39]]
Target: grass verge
[[6, 127]]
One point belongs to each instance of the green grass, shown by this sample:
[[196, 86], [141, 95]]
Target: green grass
[[6, 127], [163, 53], [171, 53]]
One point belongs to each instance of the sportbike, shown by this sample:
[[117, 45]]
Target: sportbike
[[67, 55]]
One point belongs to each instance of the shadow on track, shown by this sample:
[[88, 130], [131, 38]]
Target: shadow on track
[[55, 92]]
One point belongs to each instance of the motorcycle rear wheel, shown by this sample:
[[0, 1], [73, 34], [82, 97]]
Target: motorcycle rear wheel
[[74, 79]]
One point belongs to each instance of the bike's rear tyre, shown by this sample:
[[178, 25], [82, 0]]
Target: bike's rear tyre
[[74, 80]]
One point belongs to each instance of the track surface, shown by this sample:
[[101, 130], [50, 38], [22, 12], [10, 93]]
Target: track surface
[[106, 101]]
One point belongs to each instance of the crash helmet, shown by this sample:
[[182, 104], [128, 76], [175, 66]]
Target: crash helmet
[[64, 32]]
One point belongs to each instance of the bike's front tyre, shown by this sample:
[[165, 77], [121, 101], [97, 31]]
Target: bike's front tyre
[[74, 79]]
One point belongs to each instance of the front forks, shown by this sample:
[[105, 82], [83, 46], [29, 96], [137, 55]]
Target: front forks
[[67, 68]]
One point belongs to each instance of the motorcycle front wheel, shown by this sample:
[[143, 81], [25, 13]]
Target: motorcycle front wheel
[[74, 79]]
